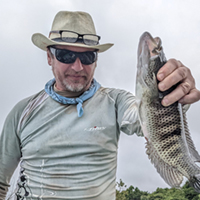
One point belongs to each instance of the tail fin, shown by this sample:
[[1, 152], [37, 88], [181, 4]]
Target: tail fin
[[195, 182]]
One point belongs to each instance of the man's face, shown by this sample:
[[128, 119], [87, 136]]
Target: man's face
[[74, 78]]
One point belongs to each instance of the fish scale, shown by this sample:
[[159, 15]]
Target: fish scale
[[169, 144], [161, 133]]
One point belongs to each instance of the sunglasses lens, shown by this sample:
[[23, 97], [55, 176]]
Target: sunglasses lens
[[66, 56], [70, 37], [88, 57], [90, 39]]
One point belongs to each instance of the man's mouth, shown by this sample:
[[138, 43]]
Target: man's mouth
[[75, 77]]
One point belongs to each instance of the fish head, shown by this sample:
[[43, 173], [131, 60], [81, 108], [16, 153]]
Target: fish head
[[150, 58]]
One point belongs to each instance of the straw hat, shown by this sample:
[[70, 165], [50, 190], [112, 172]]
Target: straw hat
[[79, 22]]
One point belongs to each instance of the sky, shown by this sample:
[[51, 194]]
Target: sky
[[24, 68]]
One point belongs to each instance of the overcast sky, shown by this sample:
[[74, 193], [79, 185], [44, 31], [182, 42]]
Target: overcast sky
[[24, 70]]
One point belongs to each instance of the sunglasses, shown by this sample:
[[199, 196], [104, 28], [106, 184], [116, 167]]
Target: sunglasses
[[68, 57]]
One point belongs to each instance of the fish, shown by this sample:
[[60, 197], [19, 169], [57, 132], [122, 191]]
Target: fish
[[169, 145]]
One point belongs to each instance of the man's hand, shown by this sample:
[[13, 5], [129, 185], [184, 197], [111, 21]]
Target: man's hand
[[170, 74]]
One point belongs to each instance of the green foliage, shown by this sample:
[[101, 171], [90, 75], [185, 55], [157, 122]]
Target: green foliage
[[132, 193], [189, 192], [167, 194]]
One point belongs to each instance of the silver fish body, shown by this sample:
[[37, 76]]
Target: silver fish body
[[169, 144]]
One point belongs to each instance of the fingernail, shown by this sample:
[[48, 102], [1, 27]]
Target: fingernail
[[165, 102], [161, 86], [160, 76]]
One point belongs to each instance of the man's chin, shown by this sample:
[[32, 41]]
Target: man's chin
[[75, 88]]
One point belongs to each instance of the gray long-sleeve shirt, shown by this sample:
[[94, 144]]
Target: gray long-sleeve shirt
[[64, 156]]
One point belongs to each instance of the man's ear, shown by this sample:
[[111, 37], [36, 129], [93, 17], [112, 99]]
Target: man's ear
[[49, 57]]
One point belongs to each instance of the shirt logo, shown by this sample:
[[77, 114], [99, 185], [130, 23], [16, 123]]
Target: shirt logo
[[95, 128]]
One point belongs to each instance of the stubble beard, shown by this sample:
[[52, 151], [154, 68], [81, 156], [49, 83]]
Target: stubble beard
[[72, 87], [77, 87]]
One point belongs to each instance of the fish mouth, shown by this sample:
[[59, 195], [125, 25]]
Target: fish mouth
[[149, 49], [149, 44], [150, 59]]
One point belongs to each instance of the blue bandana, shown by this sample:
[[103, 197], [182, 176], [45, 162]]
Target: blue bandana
[[79, 100]]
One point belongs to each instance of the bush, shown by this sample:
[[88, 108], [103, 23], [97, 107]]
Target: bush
[[132, 193]]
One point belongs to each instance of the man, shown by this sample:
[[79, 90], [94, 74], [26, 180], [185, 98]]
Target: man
[[66, 136]]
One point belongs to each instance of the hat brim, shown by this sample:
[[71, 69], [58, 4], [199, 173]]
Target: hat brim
[[43, 42]]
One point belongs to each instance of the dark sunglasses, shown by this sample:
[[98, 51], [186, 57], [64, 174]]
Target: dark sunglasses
[[73, 37], [67, 57]]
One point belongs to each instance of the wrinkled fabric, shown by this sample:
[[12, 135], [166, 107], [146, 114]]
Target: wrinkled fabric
[[64, 156]]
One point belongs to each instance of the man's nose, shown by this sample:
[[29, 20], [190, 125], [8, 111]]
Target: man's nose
[[77, 65]]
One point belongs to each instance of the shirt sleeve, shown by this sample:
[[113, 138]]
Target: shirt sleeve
[[128, 113], [10, 152]]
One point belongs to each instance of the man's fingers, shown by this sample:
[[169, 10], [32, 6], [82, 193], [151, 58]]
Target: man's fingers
[[168, 68], [172, 73], [176, 76], [191, 97], [183, 94], [177, 94]]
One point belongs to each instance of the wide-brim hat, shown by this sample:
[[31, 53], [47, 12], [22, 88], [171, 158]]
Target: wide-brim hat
[[79, 22]]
